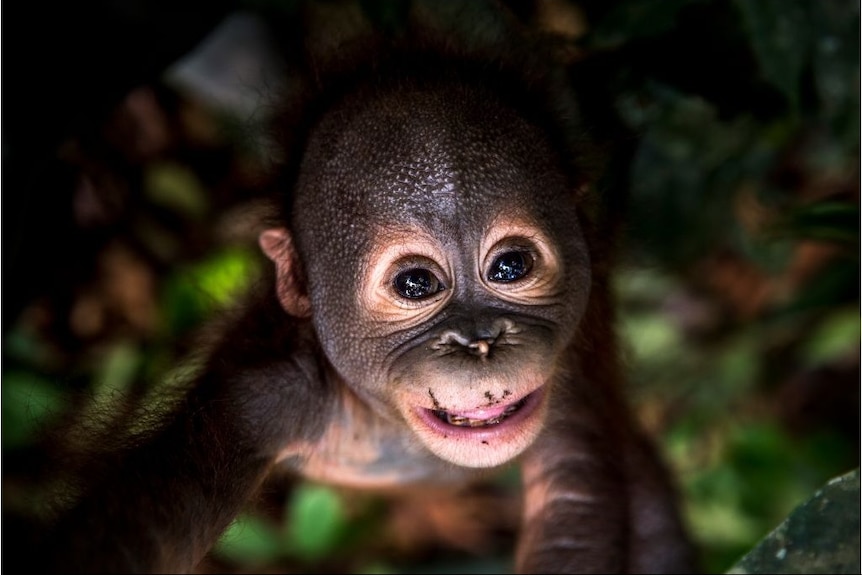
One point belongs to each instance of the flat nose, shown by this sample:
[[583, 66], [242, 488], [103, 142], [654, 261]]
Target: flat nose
[[478, 341]]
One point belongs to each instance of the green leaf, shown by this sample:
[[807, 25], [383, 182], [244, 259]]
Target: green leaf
[[224, 275], [634, 19], [177, 188], [196, 292], [651, 336], [837, 335], [250, 540], [830, 220], [316, 521], [780, 34]]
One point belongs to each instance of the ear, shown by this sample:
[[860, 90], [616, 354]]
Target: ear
[[277, 244]]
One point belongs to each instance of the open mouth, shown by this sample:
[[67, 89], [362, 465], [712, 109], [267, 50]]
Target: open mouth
[[482, 422], [484, 436], [470, 419]]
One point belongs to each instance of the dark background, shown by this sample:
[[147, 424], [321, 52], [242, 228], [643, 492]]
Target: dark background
[[130, 202]]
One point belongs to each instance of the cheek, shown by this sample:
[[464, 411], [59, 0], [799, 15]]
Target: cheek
[[351, 347]]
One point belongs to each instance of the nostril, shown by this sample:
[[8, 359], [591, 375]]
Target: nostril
[[480, 347]]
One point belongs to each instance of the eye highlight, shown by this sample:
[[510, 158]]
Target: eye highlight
[[416, 283], [519, 263], [510, 266], [407, 278]]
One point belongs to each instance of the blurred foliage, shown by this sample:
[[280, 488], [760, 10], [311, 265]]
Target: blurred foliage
[[738, 281], [740, 300]]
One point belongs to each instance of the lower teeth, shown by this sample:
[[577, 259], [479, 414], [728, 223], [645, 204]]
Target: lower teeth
[[460, 421]]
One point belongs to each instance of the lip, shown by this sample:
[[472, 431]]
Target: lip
[[508, 425]]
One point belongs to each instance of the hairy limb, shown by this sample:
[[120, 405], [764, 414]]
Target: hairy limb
[[164, 503], [575, 500], [159, 504], [659, 543]]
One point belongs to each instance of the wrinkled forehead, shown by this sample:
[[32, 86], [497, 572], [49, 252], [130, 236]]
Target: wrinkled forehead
[[442, 157]]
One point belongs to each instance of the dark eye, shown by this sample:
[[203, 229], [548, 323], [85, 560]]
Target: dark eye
[[417, 283], [510, 266]]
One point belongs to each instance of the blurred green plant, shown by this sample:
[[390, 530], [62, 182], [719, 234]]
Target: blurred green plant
[[740, 469], [196, 291]]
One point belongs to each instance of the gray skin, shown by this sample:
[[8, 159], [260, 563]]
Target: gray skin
[[337, 376]]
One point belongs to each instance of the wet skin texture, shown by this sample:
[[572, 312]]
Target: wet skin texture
[[437, 311]]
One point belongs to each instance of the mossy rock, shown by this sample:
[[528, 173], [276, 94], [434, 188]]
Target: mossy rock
[[822, 535]]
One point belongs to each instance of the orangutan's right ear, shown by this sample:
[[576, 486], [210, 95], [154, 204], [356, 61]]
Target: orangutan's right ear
[[277, 244]]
